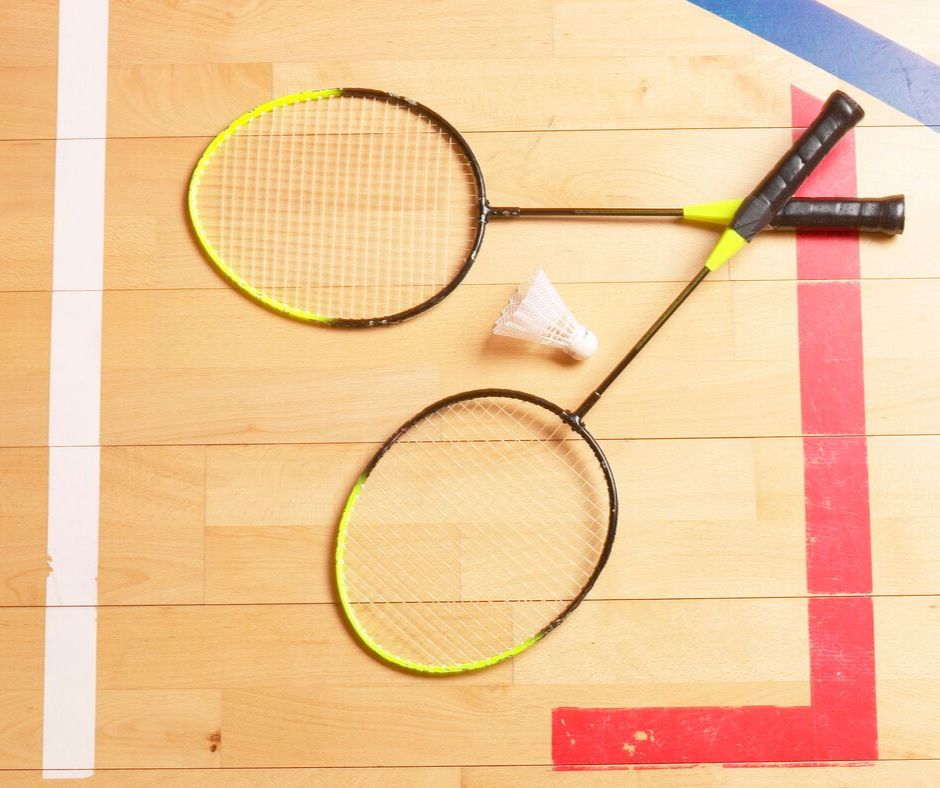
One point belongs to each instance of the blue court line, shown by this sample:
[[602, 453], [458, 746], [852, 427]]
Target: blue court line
[[855, 53]]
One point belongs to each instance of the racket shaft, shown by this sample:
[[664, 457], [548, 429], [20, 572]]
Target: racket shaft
[[876, 215]]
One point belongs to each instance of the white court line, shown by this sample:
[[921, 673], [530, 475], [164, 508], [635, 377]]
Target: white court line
[[68, 736]]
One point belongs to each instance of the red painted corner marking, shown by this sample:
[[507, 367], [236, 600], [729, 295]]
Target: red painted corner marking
[[842, 670], [831, 384], [838, 538], [841, 722], [693, 734]]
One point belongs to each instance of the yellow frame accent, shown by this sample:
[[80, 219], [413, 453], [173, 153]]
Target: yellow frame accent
[[193, 200], [360, 630], [729, 244], [720, 212]]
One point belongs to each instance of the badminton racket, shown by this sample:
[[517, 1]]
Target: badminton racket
[[486, 518], [355, 207]]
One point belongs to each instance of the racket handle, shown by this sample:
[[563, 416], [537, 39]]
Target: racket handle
[[839, 114], [873, 215]]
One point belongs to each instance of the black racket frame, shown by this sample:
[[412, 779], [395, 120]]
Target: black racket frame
[[574, 422]]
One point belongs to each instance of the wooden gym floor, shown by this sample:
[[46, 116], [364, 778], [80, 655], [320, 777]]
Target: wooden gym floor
[[230, 436]]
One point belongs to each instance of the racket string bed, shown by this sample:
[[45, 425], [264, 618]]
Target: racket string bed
[[394, 557], [497, 528], [343, 206]]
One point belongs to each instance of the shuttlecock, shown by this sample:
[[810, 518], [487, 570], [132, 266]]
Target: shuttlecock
[[536, 313]]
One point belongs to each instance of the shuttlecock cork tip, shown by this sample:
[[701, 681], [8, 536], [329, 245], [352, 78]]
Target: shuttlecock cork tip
[[583, 344]]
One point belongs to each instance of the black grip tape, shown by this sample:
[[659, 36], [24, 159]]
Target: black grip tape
[[839, 114], [881, 215]]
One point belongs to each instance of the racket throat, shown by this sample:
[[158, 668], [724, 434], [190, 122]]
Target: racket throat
[[595, 395]]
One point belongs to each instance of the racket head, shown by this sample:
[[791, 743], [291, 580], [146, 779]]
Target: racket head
[[325, 221], [474, 531]]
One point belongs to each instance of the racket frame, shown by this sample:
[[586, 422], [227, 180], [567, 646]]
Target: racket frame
[[244, 287], [573, 421]]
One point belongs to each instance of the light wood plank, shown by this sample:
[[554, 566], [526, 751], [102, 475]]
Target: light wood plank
[[221, 646], [23, 558], [543, 93], [152, 525], [421, 777], [684, 531], [901, 345], [26, 215], [158, 31], [158, 728], [24, 372], [906, 658], [892, 161], [602, 27], [21, 649], [284, 563], [623, 643], [28, 166], [903, 476], [149, 243], [435, 725], [20, 728], [439, 723], [280, 485], [243, 365], [274, 513], [30, 32], [178, 100], [279, 511], [916, 774], [617, 90], [27, 101]]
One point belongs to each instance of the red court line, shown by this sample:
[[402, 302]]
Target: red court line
[[841, 722]]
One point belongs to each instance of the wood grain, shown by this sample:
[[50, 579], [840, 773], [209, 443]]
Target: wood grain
[[23, 559], [251, 778], [232, 435], [557, 94], [917, 774], [24, 368], [21, 644], [255, 30], [246, 367], [152, 525], [26, 215], [30, 32], [223, 646], [434, 723], [159, 728], [20, 728], [149, 243], [271, 508]]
